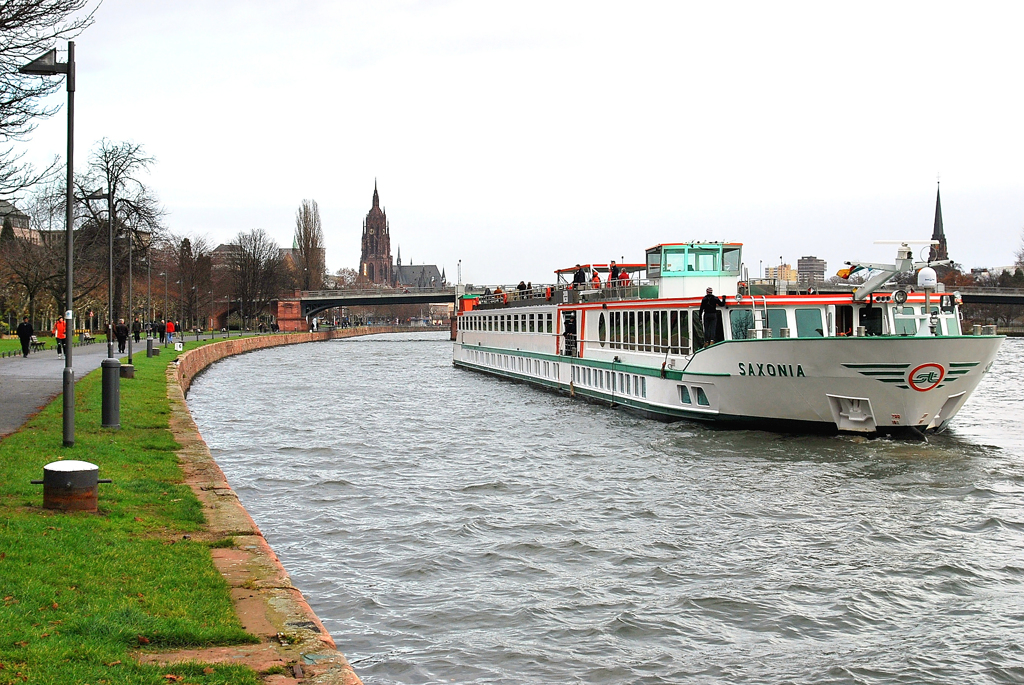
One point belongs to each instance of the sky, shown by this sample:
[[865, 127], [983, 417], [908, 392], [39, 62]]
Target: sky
[[521, 137]]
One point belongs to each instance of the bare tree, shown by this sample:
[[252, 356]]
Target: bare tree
[[311, 269], [195, 270], [116, 168], [256, 271], [28, 28]]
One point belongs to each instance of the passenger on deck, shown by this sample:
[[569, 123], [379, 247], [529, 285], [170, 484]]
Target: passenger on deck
[[709, 316], [623, 278], [522, 290], [595, 281], [579, 279], [613, 275]]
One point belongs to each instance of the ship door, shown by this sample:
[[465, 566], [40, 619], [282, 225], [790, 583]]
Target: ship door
[[844, 320], [569, 333]]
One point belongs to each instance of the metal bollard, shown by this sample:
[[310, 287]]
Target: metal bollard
[[111, 393], [149, 347], [988, 330], [70, 485], [976, 329]]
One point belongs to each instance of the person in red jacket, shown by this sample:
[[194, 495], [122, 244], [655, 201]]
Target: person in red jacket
[[60, 333], [170, 331]]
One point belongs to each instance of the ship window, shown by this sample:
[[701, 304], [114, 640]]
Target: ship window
[[602, 330], [674, 260], [871, 320], [589, 376], [808, 323], [673, 319], [647, 332], [664, 332], [643, 386], [698, 329], [731, 259], [490, 323], [702, 399], [777, 321], [636, 385], [684, 395], [742, 320], [611, 379], [501, 322], [600, 378], [531, 323], [549, 323], [906, 326], [616, 330], [631, 331], [702, 260], [622, 386], [684, 332]]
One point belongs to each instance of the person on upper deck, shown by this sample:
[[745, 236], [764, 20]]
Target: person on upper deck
[[580, 277], [613, 275], [595, 280], [623, 280], [709, 316]]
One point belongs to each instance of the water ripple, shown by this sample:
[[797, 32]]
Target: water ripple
[[451, 527]]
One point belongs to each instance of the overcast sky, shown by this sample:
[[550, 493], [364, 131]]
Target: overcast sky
[[520, 137]]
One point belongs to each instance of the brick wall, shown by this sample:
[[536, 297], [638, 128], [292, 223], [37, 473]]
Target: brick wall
[[192, 362]]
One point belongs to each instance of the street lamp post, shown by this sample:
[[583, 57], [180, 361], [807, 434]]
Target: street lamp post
[[111, 414], [47, 65], [149, 294], [164, 274]]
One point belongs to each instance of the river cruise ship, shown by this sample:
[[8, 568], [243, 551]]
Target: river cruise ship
[[874, 360]]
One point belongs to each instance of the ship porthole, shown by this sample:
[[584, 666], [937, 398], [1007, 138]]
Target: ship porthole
[[602, 329]]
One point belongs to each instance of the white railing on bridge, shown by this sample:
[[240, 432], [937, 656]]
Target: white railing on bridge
[[372, 292]]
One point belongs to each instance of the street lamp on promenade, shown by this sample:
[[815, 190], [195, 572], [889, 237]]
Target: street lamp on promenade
[[47, 65], [111, 414], [164, 274]]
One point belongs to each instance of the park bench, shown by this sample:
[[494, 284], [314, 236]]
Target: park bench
[[36, 345]]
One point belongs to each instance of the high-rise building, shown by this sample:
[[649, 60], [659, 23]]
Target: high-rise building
[[810, 271], [783, 272]]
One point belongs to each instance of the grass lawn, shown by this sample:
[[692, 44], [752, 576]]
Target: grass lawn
[[79, 591]]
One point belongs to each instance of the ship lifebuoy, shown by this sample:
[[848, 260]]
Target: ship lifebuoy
[[547, 293]]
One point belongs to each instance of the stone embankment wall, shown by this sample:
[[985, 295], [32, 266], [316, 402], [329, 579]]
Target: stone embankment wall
[[194, 361], [291, 635]]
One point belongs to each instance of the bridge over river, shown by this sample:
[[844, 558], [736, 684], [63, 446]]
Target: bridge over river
[[294, 313]]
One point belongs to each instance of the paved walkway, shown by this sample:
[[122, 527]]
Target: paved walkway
[[27, 384]]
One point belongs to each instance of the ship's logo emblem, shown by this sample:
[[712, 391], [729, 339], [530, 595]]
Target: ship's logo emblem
[[922, 378], [926, 376]]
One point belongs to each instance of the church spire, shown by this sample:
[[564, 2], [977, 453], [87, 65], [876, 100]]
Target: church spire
[[938, 251], [376, 198], [399, 263]]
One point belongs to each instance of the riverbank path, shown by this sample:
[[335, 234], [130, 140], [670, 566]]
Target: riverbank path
[[27, 384]]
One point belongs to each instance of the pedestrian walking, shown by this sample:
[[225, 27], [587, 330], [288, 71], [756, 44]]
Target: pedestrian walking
[[25, 333], [137, 329], [170, 328], [121, 333], [60, 334]]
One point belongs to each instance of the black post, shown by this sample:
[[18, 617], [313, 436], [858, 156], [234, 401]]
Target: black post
[[69, 261], [111, 416]]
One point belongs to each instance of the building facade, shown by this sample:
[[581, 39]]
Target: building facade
[[810, 271]]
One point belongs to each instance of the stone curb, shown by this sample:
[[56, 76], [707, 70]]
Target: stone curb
[[291, 635]]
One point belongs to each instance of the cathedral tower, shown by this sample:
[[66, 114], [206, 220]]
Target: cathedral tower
[[375, 260]]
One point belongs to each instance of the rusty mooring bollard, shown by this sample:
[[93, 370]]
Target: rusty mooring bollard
[[70, 485]]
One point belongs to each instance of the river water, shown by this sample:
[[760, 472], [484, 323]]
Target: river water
[[452, 527]]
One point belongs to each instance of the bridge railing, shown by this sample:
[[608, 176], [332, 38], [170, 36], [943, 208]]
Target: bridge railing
[[370, 292], [977, 290]]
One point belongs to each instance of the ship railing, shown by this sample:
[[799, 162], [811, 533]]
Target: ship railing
[[567, 293]]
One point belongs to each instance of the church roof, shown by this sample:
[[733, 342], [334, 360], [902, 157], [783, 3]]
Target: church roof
[[420, 275]]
